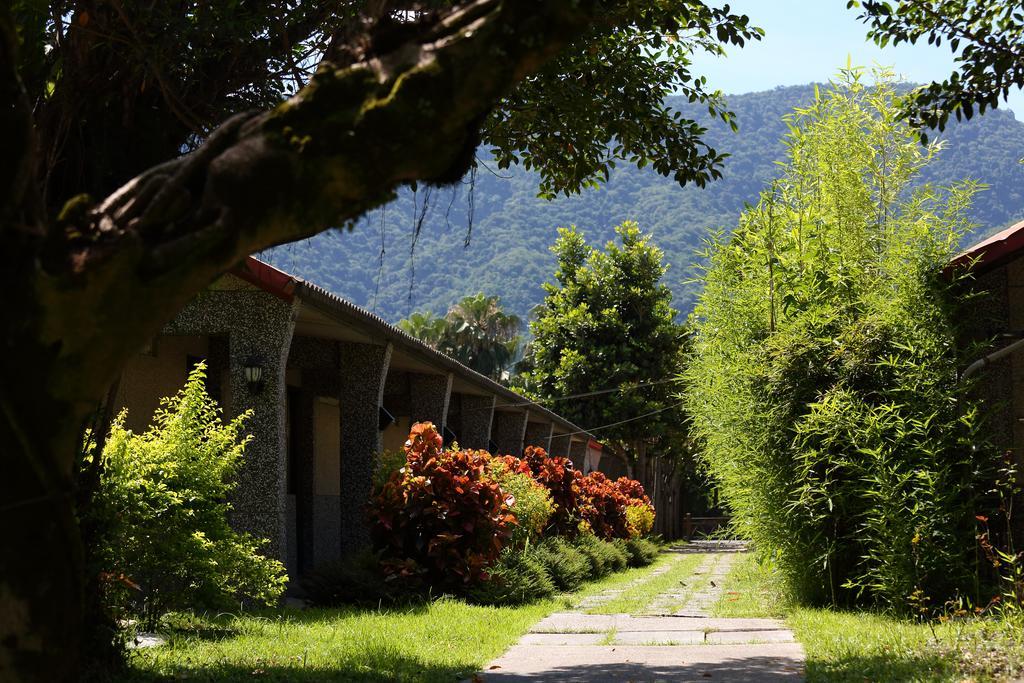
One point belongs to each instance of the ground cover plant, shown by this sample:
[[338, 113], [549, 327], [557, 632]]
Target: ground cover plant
[[162, 507], [823, 378]]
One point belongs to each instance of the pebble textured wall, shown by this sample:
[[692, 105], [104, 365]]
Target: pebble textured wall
[[539, 434], [578, 453], [476, 415], [256, 324], [509, 430], [428, 398], [560, 446], [363, 371]]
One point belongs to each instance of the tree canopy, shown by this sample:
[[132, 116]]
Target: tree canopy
[[607, 325], [986, 38]]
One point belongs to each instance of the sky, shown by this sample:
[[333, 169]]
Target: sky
[[809, 40]]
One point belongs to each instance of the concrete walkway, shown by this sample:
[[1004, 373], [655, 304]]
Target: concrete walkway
[[659, 644]]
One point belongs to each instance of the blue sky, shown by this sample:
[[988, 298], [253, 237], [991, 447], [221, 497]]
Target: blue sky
[[809, 40]]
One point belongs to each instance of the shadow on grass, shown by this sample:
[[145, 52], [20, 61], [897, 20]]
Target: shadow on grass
[[372, 666], [904, 666]]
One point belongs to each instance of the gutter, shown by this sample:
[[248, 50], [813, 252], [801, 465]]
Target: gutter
[[985, 361]]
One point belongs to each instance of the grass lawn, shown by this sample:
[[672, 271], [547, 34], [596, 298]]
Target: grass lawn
[[445, 640], [869, 646], [638, 596], [440, 641]]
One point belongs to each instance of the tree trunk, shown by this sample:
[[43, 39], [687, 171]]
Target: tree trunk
[[41, 564], [83, 293]]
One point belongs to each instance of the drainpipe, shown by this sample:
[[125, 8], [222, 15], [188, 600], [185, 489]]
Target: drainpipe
[[993, 357]]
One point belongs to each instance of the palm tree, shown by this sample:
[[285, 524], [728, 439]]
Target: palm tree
[[475, 332], [483, 336]]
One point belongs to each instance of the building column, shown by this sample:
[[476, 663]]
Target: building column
[[539, 434], [476, 417], [578, 452], [428, 398], [363, 369], [560, 445], [509, 430], [260, 498]]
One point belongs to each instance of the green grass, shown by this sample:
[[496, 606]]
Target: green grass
[[441, 641], [444, 640], [750, 590], [637, 597], [870, 646]]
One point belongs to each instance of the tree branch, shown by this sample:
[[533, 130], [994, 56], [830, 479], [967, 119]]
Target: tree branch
[[340, 147]]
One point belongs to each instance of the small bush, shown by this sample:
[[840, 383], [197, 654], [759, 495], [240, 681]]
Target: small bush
[[566, 565], [163, 499], [639, 519], [618, 558], [530, 502], [442, 520], [517, 578], [388, 463], [640, 551], [603, 556]]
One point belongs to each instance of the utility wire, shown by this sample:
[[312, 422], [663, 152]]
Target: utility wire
[[622, 422], [598, 392]]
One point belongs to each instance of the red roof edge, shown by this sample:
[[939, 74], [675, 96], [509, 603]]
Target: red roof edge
[[593, 445], [990, 252], [267, 278]]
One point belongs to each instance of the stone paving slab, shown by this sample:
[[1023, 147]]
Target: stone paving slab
[[658, 637], [574, 622], [778, 635], [563, 639], [600, 664]]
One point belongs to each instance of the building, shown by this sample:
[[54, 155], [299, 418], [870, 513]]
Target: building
[[994, 324], [330, 386]]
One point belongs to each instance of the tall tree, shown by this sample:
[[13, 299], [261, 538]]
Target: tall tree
[[986, 38], [476, 332], [106, 229], [607, 325]]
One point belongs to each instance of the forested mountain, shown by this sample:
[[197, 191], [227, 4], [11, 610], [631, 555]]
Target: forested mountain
[[512, 230]]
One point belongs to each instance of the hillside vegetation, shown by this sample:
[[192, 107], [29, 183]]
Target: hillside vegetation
[[508, 251]]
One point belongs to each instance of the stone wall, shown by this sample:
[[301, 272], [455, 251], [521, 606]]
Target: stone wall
[[257, 325]]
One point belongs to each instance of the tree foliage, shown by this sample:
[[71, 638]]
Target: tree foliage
[[986, 38], [476, 332], [164, 502], [823, 378], [607, 323]]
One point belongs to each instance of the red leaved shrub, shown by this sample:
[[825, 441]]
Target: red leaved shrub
[[603, 507], [639, 510], [441, 519], [561, 478]]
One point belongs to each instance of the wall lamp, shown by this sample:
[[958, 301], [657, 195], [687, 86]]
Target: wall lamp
[[253, 369]]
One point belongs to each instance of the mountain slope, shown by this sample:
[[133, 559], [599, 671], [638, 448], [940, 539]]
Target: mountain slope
[[512, 229]]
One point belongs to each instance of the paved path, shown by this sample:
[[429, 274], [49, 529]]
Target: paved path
[[662, 643]]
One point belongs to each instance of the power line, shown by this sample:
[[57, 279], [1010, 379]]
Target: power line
[[597, 392], [622, 422]]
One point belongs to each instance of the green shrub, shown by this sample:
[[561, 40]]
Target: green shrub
[[386, 465], [566, 565], [639, 551], [531, 501], [163, 495], [603, 556], [518, 577]]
